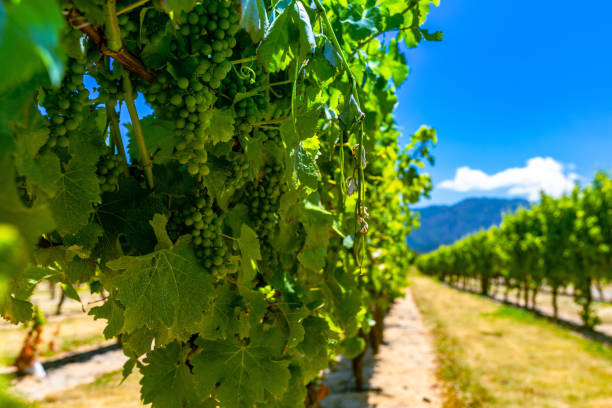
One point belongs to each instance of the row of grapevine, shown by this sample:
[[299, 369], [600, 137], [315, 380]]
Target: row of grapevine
[[557, 243], [249, 229]]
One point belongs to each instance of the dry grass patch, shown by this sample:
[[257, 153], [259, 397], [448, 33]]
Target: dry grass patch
[[501, 356], [106, 392]]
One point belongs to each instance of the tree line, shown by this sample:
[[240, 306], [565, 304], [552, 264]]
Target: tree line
[[559, 243]]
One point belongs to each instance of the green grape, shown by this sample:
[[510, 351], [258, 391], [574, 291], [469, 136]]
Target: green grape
[[109, 171], [196, 217], [265, 199], [64, 105]]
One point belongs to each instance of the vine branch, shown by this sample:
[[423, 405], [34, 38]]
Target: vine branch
[[77, 20], [355, 93], [132, 7], [142, 147], [115, 133]]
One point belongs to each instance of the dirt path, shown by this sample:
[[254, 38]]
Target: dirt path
[[69, 375], [402, 375]]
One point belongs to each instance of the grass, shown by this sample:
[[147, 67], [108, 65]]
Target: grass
[[106, 392], [500, 356]]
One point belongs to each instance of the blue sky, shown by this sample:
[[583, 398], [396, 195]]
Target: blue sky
[[513, 81]]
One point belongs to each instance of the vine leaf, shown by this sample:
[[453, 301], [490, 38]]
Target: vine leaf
[[30, 222], [249, 249], [305, 168], [113, 313], [159, 138], [220, 321], [167, 381], [176, 6], [29, 33], [289, 37], [164, 289], [42, 170], [221, 126], [78, 186], [254, 18], [368, 24], [242, 372]]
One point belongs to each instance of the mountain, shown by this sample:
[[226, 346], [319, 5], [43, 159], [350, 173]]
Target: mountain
[[443, 224]]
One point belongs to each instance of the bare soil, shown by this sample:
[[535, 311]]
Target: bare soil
[[402, 375]]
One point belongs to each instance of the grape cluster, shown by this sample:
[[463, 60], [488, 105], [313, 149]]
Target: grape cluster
[[109, 170], [265, 198], [267, 135], [188, 103], [209, 31], [199, 219], [108, 81], [64, 106], [240, 171], [127, 27], [252, 108]]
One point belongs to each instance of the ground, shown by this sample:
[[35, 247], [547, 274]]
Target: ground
[[444, 349]]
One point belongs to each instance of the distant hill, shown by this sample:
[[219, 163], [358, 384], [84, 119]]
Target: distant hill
[[443, 224]]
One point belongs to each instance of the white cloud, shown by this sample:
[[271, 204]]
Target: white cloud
[[540, 173]]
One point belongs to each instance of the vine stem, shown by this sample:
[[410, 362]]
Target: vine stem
[[272, 121], [113, 36], [115, 133], [132, 7], [351, 77], [77, 20], [114, 43], [142, 147], [286, 82], [243, 60]]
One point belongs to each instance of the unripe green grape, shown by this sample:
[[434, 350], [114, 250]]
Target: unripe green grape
[[183, 83], [176, 100], [193, 169]]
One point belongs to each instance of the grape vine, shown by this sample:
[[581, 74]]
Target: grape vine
[[250, 227]]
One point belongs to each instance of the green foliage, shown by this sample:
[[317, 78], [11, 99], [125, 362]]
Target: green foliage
[[228, 236], [559, 243]]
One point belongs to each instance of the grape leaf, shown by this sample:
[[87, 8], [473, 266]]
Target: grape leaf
[[30, 222], [314, 346], [159, 139], [289, 37], [167, 288], [29, 34], [305, 168], [249, 249], [220, 321], [77, 189], [175, 7], [254, 19], [167, 381], [242, 371], [221, 127], [113, 313], [42, 170]]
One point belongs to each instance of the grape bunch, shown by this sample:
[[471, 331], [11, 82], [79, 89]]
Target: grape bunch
[[108, 81], [252, 108], [188, 103], [209, 31], [64, 106], [267, 135], [109, 170], [198, 218], [265, 198], [127, 27], [239, 168]]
